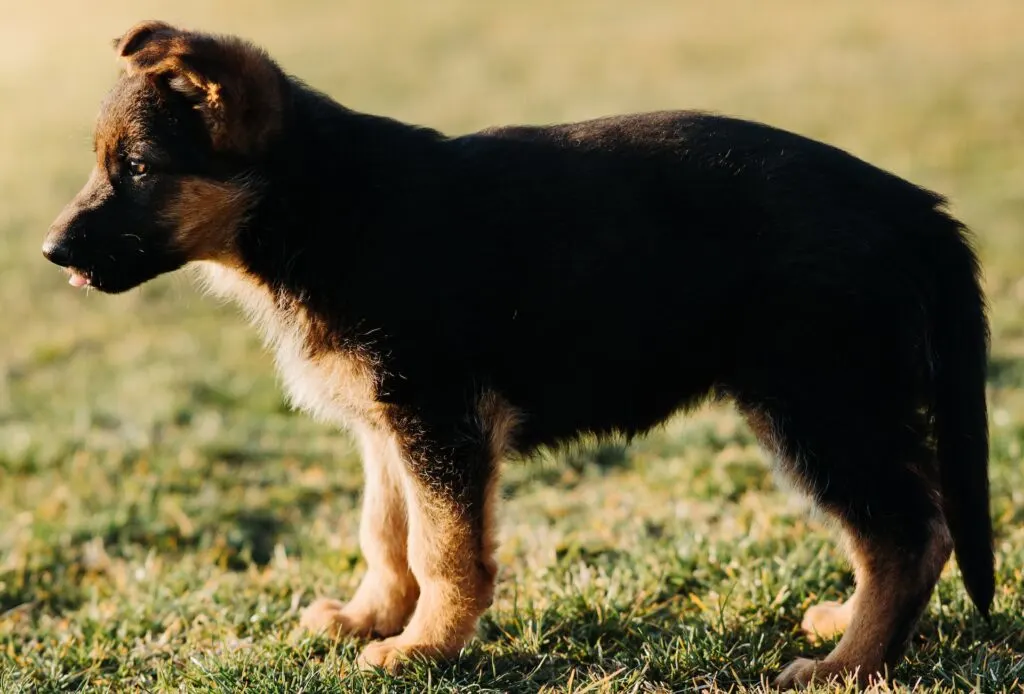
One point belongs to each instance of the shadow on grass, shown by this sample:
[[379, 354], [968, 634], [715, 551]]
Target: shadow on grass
[[53, 587], [55, 584], [669, 651], [236, 539], [54, 579], [587, 645], [229, 536]]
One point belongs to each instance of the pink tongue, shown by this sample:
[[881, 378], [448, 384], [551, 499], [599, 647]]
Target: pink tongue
[[77, 280]]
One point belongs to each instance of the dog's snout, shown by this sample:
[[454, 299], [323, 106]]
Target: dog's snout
[[57, 252], [61, 237]]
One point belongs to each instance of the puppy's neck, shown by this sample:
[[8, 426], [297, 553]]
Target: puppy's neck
[[337, 197]]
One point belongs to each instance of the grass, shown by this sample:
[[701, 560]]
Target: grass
[[163, 518]]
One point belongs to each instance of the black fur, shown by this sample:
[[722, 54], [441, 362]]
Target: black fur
[[603, 275]]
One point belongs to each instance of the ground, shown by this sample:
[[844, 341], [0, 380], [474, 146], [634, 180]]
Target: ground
[[164, 517]]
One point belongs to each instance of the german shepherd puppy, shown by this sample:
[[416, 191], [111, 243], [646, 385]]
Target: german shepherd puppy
[[454, 300]]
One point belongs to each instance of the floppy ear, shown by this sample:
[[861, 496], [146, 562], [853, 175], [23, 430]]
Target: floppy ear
[[139, 35], [234, 84]]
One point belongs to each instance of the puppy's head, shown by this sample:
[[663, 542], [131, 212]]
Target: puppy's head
[[176, 141]]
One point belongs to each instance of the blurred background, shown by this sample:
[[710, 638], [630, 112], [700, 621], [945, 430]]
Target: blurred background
[[163, 516]]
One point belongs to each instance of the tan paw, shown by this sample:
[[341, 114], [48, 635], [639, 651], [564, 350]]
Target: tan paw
[[392, 654], [826, 620], [330, 617], [388, 655]]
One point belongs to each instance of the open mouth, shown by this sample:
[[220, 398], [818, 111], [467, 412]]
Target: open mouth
[[77, 278]]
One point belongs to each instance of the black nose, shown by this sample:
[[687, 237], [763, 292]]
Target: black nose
[[57, 253]]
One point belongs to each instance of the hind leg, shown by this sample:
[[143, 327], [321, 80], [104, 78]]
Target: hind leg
[[895, 579], [874, 472]]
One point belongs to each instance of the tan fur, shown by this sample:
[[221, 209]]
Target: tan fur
[[387, 594], [339, 387], [827, 620], [424, 555], [206, 215], [332, 386], [875, 608], [499, 420], [455, 569], [450, 556]]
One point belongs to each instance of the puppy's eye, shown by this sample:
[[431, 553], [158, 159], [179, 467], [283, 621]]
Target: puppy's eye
[[136, 167]]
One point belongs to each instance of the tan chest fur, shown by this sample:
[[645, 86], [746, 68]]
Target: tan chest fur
[[332, 386]]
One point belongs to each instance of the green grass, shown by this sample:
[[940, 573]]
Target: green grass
[[163, 517]]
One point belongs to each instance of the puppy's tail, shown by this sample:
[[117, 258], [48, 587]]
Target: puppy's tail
[[960, 345]]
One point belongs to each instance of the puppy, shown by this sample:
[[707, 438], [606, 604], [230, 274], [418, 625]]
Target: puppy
[[454, 300]]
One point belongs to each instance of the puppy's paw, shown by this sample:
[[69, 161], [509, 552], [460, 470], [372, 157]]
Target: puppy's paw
[[333, 619], [388, 655], [391, 655], [803, 671], [799, 673], [826, 620]]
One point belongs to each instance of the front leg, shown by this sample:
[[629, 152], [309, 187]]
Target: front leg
[[449, 488], [387, 594]]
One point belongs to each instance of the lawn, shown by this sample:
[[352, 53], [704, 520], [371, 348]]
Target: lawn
[[164, 517]]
